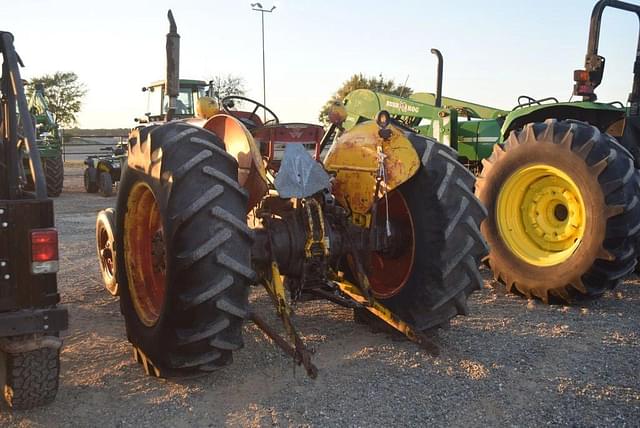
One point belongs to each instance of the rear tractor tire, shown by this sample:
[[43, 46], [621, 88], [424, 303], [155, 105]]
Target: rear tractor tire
[[563, 211], [183, 249], [105, 245], [54, 175], [428, 281]]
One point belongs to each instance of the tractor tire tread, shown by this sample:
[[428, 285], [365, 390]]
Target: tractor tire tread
[[211, 254], [613, 167], [54, 175]]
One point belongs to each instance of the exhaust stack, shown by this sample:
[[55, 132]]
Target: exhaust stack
[[437, 53], [172, 79]]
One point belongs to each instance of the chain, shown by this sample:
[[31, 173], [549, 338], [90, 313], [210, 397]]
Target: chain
[[382, 175]]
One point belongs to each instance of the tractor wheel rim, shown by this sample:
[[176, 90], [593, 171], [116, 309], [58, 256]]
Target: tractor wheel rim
[[389, 274], [145, 254], [540, 215], [106, 253]]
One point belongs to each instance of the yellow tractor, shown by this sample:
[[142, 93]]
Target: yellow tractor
[[386, 224]]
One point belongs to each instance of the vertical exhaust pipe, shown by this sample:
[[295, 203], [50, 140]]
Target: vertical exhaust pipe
[[172, 78], [437, 53]]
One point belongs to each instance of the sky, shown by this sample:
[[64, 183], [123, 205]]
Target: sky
[[494, 50]]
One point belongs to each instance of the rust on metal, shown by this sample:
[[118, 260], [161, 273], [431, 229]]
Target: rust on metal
[[300, 353], [355, 160], [387, 316]]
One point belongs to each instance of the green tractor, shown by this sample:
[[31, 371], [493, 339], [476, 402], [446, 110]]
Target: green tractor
[[49, 140], [558, 179]]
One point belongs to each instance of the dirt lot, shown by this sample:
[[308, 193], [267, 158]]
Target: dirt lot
[[510, 362]]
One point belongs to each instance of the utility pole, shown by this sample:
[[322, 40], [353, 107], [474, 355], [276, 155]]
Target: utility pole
[[258, 8]]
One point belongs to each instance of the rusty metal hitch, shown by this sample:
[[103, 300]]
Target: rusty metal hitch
[[300, 354]]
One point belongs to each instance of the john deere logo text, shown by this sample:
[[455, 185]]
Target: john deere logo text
[[403, 107]]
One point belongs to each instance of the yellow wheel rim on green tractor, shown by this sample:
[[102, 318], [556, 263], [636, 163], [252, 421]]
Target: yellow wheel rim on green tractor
[[541, 215]]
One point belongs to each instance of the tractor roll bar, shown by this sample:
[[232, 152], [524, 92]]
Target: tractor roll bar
[[594, 63]]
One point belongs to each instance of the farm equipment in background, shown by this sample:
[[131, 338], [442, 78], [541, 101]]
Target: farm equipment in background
[[30, 321], [103, 171], [49, 141], [560, 189], [387, 225], [187, 101]]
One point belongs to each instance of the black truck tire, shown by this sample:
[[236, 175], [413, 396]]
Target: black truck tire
[[105, 183], [182, 185], [447, 244], [31, 378], [54, 175], [563, 211], [105, 246], [91, 180]]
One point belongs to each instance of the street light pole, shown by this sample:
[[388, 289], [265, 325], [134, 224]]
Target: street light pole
[[258, 8]]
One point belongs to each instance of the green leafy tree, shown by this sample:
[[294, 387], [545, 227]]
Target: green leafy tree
[[360, 81], [63, 91], [224, 86]]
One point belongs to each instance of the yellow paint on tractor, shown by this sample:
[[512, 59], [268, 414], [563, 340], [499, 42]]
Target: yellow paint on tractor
[[355, 160], [541, 215], [206, 107]]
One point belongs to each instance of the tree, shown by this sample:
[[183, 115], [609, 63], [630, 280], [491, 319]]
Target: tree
[[224, 86], [360, 81], [63, 92]]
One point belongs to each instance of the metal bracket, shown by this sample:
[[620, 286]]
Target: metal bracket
[[389, 317], [301, 355]]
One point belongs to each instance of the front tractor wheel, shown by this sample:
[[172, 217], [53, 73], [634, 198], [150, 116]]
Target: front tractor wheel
[[105, 245], [563, 211], [184, 250], [435, 219]]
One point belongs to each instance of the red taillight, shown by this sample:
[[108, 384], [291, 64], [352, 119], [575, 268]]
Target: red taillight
[[44, 245]]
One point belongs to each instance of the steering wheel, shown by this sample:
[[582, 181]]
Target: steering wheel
[[228, 102]]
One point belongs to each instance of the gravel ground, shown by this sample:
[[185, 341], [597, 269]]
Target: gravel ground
[[510, 362]]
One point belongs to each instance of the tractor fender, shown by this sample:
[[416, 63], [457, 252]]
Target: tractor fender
[[240, 144], [355, 161], [606, 117]]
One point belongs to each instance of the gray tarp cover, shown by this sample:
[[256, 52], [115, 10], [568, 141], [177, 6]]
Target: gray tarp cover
[[300, 175]]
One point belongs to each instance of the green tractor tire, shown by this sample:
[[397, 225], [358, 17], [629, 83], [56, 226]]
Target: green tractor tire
[[563, 211], [54, 175]]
